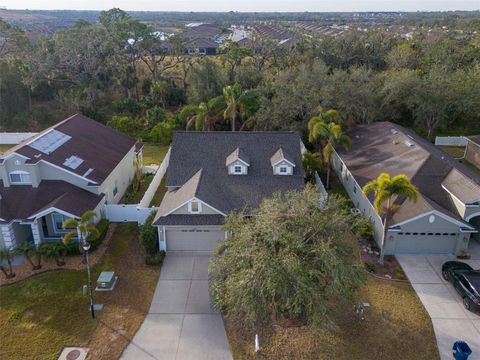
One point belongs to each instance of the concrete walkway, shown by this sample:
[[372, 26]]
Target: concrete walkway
[[181, 323], [451, 321]]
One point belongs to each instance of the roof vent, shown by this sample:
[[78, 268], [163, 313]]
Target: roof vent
[[393, 131], [37, 156], [409, 143], [73, 162]]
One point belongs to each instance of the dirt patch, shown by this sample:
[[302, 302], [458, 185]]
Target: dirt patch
[[24, 270]]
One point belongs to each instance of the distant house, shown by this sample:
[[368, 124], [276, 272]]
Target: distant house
[[447, 212], [63, 171], [212, 174], [472, 151], [201, 39]]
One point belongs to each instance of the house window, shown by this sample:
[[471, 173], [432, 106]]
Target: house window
[[237, 169], [20, 177], [355, 189], [194, 207], [283, 170], [58, 220]]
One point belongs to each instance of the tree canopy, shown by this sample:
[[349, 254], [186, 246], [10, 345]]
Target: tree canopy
[[292, 259]]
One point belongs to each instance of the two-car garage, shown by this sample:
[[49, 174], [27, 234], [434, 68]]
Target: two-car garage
[[199, 238], [426, 243]]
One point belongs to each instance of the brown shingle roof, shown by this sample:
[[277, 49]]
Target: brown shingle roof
[[384, 147], [100, 147], [21, 202]]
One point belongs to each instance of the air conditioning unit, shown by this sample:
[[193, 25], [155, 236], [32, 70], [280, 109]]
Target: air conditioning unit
[[106, 281]]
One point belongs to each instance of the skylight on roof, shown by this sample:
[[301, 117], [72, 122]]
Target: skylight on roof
[[50, 141], [73, 162]]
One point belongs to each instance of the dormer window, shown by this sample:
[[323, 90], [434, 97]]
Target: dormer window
[[20, 178], [237, 162], [194, 207], [282, 163]]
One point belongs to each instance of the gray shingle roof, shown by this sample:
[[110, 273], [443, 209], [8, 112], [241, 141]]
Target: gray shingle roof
[[376, 148], [475, 139], [208, 151]]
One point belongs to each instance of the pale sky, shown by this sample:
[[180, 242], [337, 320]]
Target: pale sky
[[247, 5]]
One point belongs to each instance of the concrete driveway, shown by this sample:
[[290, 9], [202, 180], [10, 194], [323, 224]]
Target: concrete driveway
[[181, 323], [451, 321]]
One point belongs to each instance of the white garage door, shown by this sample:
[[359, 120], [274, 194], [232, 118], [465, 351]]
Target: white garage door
[[193, 239], [426, 244]]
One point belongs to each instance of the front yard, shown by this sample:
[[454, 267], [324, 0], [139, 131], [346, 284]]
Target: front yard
[[396, 326], [42, 314]]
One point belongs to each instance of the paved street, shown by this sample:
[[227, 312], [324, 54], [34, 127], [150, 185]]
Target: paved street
[[451, 321], [181, 323]]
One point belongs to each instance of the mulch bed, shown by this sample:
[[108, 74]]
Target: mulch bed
[[370, 255], [74, 262]]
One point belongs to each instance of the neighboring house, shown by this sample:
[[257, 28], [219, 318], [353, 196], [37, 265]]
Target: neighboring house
[[447, 212], [74, 166], [212, 174], [472, 151]]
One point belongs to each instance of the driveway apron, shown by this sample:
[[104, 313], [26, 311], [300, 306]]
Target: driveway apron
[[451, 321], [181, 323]]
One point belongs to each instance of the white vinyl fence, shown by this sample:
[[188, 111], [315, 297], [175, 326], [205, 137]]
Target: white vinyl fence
[[127, 213], [450, 141], [12, 138], [138, 212], [321, 189], [157, 179]]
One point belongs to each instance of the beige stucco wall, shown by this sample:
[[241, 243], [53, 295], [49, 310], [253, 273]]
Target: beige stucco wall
[[472, 154], [356, 195], [123, 174]]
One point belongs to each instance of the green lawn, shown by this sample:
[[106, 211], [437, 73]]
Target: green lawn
[[154, 153], [5, 147], [162, 189], [455, 151], [42, 314]]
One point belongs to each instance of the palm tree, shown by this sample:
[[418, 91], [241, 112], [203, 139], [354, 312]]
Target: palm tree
[[137, 180], [27, 249], [6, 254], [204, 115], [56, 251], [312, 163], [331, 135], [239, 103], [84, 229], [385, 188]]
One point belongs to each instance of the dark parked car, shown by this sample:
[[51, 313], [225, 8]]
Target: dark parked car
[[466, 281]]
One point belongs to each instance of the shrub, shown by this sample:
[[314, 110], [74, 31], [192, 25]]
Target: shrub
[[72, 248], [370, 266], [399, 274], [155, 259], [102, 228], [362, 227], [149, 235]]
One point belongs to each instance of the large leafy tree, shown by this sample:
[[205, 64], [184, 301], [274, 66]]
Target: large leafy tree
[[291, 260], [385, 189], [329, 134]]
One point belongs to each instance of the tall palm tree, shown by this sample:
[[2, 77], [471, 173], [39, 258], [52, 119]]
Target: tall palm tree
[[385, 188], [84, 229], [204, 115], [240, 104], [311, 163], [330, 135]]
